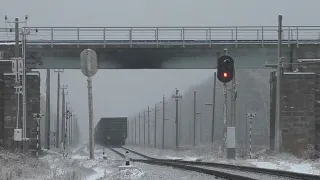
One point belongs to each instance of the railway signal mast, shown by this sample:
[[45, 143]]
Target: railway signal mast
[[225, 73], [89, 67]]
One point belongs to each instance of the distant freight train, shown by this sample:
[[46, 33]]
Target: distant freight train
[[111, 131]]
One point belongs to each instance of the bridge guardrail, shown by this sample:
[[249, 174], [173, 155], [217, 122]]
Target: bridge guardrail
[[159, 35]]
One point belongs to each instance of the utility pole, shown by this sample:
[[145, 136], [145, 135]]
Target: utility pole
[[278, 137], [18, 85], [233, 101], [17, 55], [48, 112], [63, 115], [132, 136], [66, 125], [17, 75], [213, 104], [177, 96], [144, 129], [195, 113], [58, 110], [74, 135], [139, 128], [163, 120], [70, 126], [148, 126], [155, 125], [53, 123], [135, 130], [194, 116]]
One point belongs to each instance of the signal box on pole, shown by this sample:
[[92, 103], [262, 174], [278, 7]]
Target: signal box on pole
[[225, 69]]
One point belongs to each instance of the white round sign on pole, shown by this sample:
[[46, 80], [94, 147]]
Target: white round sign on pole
[[88, 62]]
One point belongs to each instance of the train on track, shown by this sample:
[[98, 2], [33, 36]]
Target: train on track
[[111, 131]]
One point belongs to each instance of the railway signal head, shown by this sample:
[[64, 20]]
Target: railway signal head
[[225, 69]]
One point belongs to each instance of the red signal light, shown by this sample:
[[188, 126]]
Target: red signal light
[[225, 75]]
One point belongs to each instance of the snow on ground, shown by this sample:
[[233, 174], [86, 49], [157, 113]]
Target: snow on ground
[[16, 166], [77, 165], [280, 162], [109, 169]]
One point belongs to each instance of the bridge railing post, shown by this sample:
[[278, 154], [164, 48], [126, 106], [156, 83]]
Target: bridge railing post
[[182, 36], [157, 37], [289, 39], [78, 34], [104, 37], [262, 36], [297, 36], [209, 37], [130, 37], [51, 37], [236, 36], [232, 34]]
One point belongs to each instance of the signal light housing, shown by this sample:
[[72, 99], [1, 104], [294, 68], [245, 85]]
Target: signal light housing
[[225, 69]]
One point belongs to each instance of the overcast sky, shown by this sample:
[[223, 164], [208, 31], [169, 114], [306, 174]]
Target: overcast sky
[[161, 13], [123, 92]]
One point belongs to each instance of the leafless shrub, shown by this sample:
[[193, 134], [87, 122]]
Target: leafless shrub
[[311, 153]]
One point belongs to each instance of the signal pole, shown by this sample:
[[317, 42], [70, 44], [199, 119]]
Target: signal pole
[[148, 126], [177, 96], [155, 125], [225, 112], [58, 109], [225, 73], [278, 136]]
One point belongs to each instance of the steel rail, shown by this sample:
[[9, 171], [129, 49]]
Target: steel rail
[[281, 173], [187, 167]]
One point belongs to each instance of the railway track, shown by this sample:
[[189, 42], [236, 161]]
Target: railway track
[[273, 172], [227, 171]]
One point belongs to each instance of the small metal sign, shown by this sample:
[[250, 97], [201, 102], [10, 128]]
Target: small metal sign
[[251, 115], [37, 116], [88, 62]]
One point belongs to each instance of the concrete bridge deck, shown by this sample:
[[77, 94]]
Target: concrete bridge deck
[[163, 47], [163, 36]]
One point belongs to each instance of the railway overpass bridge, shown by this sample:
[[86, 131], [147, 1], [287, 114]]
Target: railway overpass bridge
[[163, 47]]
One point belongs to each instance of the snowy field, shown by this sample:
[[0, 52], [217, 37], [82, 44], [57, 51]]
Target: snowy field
[[281, 161], [77, 166]]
